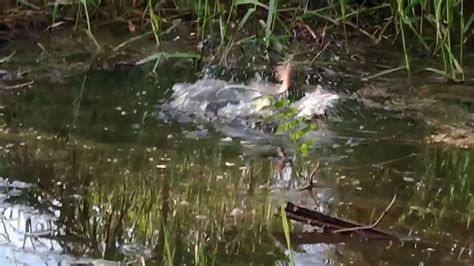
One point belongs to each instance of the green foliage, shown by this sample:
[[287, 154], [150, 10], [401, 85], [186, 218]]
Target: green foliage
[[440, 27], [436, 20], [295, 127]]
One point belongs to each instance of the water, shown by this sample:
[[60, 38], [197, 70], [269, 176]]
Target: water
[[116, 183]]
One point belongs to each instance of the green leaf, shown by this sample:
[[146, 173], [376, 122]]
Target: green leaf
[[467, 26], [282, 103], [250, 2], [245, 18], [272, 13], [304, 149], [298, 135]]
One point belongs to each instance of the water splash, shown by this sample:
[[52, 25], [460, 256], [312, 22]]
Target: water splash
[[213, 99]]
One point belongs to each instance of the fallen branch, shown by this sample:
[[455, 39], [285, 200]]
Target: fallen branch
[[333, 224], [21, 85]]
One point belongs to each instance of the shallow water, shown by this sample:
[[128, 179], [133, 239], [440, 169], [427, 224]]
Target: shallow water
[[119, 184]]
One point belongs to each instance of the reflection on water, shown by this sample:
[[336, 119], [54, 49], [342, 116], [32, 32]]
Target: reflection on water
[[23, 230], [123, 185]]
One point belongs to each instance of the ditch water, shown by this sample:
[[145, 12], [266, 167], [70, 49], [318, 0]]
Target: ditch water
[[90, 174]]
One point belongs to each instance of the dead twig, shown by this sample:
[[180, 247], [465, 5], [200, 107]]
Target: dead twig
[[311, 178], [330, 223], [395, 160], [7, 58], [372, 226], [322, 51], [21, 85], [311, 185]]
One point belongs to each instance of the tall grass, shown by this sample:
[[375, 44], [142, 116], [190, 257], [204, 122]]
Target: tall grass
[[88, 23], [286, 230], [402, 19], [439, 27], [438, 21], [154, 21]]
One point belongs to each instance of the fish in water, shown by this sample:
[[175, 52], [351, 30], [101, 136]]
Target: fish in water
[[284, 74], [212, 99]]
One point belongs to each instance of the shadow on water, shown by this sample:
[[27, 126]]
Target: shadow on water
[[121, 185]]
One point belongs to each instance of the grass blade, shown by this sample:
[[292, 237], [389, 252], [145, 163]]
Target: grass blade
[[286, 230]]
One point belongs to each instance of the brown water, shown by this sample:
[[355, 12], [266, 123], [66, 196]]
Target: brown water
[[114, 182]]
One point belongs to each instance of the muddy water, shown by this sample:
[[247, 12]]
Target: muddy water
[[88, 164]]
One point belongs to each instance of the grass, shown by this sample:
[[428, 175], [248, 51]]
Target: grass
[[440, 28], [155, 22], [286, 230], [402, 19]]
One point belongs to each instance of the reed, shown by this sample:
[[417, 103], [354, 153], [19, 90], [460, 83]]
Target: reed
[[154, 21], [402, 18], [439, 27], [286, 230], [437, 21]]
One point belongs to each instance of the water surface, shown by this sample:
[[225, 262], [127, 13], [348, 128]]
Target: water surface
[[115, 182]]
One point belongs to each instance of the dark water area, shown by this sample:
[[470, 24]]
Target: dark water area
[[101, 178]]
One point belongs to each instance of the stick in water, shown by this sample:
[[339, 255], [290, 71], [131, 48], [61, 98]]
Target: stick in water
[[345, 230]]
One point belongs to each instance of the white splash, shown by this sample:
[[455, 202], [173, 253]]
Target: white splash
[[316, 103], [216, 99]]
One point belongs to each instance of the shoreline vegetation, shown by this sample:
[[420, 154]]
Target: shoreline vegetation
[[438, 31], [129, 188]]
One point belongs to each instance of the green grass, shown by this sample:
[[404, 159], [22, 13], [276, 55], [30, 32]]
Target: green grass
[[286, 230], [440, 28]]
